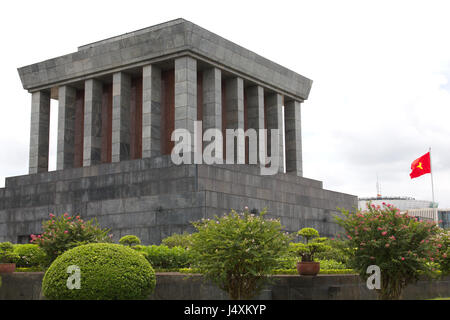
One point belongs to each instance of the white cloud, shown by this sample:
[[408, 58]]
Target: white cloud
[[381, 71]]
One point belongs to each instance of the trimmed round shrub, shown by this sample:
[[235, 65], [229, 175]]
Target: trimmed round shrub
[[107, 272], [130, 240], [30, 255]]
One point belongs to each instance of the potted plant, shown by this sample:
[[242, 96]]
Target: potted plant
[[305, 251], [7, 258]]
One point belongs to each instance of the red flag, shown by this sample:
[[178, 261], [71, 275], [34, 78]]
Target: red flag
[[420, 166]]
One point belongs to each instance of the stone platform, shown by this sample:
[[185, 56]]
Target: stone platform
[[153, 198]]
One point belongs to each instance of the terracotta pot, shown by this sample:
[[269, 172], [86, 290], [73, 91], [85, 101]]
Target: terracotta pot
[[308, 268], [7, 267]]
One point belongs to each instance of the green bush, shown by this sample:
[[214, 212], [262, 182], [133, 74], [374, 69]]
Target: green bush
[[442, 246], [338, 250], [178, 240], [66, 232], [163, 257], [312, 246], [7, 254], [30, 255], [237, 252], [107, 272], [308, 233], [130, 240], [290, 262]]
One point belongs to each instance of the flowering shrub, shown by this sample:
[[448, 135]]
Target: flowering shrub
[[442, 247], [399, 244], [238, 250], [66, 232]]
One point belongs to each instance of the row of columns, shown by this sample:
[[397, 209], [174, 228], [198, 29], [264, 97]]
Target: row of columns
[[260, 110]]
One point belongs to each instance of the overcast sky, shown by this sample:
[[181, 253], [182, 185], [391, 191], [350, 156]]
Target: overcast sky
[[381, 69]]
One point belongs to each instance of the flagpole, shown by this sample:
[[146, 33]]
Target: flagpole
[[432, 188]]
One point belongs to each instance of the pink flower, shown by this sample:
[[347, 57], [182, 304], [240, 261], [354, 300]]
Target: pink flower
[[349, 237], [51, 215], [66, 231], [403, 258], [384, 233], [387, 245], [392, 237]]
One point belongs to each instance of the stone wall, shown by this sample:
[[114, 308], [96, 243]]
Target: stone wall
[[175, 286], [152, 198]]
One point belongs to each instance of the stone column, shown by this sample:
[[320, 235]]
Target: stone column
[[212, 103], [235, 117], [293, 137], [39, 132], [186, 94], [151, 111], [274, 113], [255, 114], [121, 117], [65, 155], [92, 145]]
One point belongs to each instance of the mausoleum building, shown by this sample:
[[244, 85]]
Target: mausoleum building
[[120, 99]]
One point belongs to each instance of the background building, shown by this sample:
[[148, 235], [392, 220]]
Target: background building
[[422, 209], [402, 203]]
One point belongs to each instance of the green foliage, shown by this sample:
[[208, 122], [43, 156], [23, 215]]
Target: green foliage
[[30, 269], [7, 254], [322, 271], [107, 272], [66, 232], [163, 257], [130, 240], [30, 255], [399, 244], [308, 233], [313, 244], [442, 246], [290, 262], [178, 240], [238, 251], [338, 250]]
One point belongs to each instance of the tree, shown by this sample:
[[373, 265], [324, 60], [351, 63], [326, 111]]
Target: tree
[[398, 243], [238, 251]]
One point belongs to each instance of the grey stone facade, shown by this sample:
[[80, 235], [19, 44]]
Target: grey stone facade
[[153, 198], [154, 76]]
